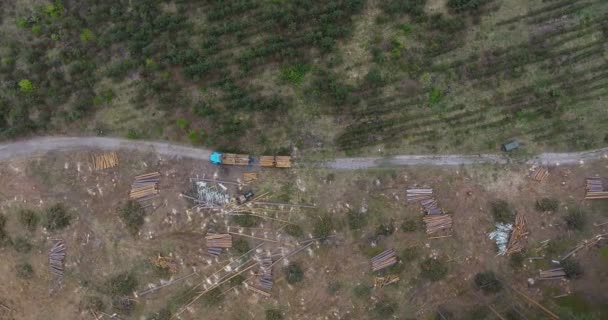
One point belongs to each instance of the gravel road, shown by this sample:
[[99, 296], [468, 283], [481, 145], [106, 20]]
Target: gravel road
[[43, 145]]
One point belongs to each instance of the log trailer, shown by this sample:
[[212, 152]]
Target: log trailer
[[245, 160]]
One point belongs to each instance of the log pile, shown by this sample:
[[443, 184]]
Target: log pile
[[266, 273], [539, 174], [380, 282], [104, 160], [417, 195], [517, 239], [436, 223], [596, 189], [384, 260], [216, 242], [145, 187], [553, 274], [56, 258], [430, 206]]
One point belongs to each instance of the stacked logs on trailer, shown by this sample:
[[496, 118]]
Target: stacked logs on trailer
[[275, 161], [517, 240], [553, 274], [384, 260], [380, 282], [56, 258], [596, 188], [104, 160], [216, 242], [539, 174], [145, 187]]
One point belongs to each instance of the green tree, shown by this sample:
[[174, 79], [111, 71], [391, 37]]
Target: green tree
[[488, 282], [87, 35], [26, 86]]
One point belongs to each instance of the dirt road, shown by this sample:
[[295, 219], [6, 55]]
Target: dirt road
[[42, 145]]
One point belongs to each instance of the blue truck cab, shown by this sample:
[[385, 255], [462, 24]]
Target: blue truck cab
[[216, 158]]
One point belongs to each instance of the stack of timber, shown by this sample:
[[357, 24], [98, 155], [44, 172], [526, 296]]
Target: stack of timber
[[435, 223], [384, 260], [267, 161], [416, 194], [539, 174], [216, 242], [517, 240], [380, 282], [145, 187], [430, 206], [596, 188], [57, 257], [236, 159], [105, 160], [250, 177], [283, 161], [266, 273], [553, 274]]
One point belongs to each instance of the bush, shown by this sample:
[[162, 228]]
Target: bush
[[120, 285], [384, 309], [517, 259], [435, 96], [572, 268], [22, 245], [87, 35], [25, 271], [362, 290], [246, 220], [294, 74], [94, 303], [57, 217], [575, 219], [294, 230], [409, 254], [488, 282], [28, 218], [132, 214], [356, 220], [241, 246], [293, 273], [323, 227], [3, 235], [433, 269], [409, 225], [26, 86], [547, 204], [385, 229], [163, 314], [273, 314], [501, 211]]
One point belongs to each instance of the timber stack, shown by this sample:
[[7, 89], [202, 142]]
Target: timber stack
[[517, 239], [216, 242], [384, 260], [553, 274], [596, 188], [539, 174], [104, 160], [56, 258], [145, 187], [266, 273], [418, 194], [436, 223]]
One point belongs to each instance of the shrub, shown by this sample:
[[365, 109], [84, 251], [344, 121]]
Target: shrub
[[213, 297], [241, 246], [25, 271], [501, 211], [87, 35], [547, 204], [293, 273], [385, 229], [26, 86], [236, 280], [409, 225], [409, 254], [163, 314], [575, 219], [356, 220], [57, 217], [384, 309], [362, 290], [294, 230], [121, 284], [374, 78], [28, 218], [94, 303], [182, 123], [323, 227], [517, 259], [294, 74], [433, 269], [466, 5], [488, 282], [132, 214], [246, 220], [3, 235], [22, 245], [435, 96], [572, 268], [273, 314]]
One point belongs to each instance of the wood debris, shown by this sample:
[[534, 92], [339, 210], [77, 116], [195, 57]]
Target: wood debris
[[145, 187], [249, 177], [104, 160], [57, 258], [539, 174], [517, 239], [553, 274], [384, 260], [380, 282], [436, 223], [585, 244], [258, 291], [596, 188], [166, 263]]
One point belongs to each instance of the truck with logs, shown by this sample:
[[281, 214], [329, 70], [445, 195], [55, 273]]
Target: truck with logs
[[234, 159]]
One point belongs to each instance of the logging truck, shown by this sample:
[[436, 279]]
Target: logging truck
[[245, 160]]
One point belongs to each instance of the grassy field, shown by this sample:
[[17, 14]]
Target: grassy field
[[339, 77]]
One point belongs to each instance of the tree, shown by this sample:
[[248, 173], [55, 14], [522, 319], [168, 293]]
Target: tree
[[132, 214], [273, 314], [26, 86], [572, 268], [57, 217], [433, 269], [501, 211], [547, 204], [28, 218], [488, 282], [293, 273], [575, 219], [323, 227]]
